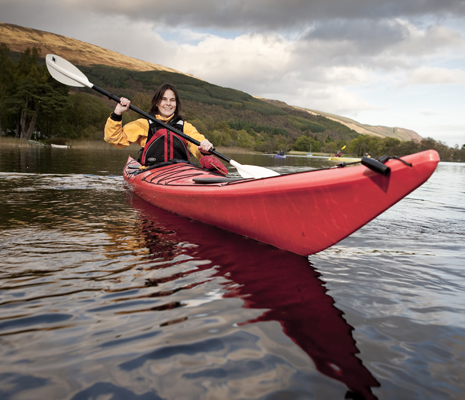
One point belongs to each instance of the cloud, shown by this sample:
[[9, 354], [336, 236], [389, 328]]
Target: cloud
[[259, 58], [451, 134], [364, 36], [251, 16], [260, 15], [273, 66], [434, 76], [427, 41], [430, 113], [119, 35]]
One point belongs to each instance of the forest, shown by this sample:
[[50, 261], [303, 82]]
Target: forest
[[35, 106]]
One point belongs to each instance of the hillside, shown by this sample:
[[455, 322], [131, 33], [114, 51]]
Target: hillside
[[18, 39], [261, 122], [363, 129]]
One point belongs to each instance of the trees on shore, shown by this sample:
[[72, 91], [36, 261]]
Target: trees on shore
[[377, 146], [29, 97]]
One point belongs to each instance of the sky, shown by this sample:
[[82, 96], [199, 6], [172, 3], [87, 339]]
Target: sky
[[394, 63]]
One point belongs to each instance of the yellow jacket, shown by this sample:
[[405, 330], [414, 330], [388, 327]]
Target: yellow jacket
[[137, 131]]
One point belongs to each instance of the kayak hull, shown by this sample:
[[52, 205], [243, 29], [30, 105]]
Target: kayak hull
[[291, 212]]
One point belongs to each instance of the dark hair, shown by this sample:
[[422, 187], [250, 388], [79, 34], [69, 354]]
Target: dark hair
[[158, 96]]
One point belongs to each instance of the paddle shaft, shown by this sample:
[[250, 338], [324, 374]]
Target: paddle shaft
[[111, 96]]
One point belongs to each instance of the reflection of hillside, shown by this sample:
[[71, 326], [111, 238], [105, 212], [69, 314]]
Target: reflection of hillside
[[264, 277]]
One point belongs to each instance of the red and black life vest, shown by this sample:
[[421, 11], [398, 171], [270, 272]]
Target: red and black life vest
[[163, 145]]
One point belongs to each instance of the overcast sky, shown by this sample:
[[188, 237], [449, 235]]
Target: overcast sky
[[398, 63]]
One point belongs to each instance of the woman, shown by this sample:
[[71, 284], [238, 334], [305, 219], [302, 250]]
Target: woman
[[159, 144]]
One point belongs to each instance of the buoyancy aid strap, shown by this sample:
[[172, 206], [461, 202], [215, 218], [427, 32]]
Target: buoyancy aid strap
[[177, 123], [166, 145]]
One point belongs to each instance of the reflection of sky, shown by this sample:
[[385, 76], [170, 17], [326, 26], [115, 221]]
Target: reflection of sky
[[417, 249], [446, 186]]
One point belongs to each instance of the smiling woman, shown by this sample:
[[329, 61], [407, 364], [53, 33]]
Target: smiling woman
[[159, 144]]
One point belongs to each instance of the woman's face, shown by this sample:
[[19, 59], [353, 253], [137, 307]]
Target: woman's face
[[167, 105]]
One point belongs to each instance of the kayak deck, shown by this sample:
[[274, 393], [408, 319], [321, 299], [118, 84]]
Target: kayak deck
[[182, 174]]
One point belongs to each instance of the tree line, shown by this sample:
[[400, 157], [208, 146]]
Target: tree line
[[34, 105], [377, 146]]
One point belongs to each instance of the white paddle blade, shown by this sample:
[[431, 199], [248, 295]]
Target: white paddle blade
[[65, 72], [253, 171]]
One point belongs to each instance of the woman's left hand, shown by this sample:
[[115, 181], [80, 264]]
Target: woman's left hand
[[205, 146]]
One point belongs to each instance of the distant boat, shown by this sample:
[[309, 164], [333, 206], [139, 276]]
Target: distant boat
[[309, 155], [279, 156], [59, 146]]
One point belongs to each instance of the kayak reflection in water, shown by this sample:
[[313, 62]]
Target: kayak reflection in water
[[266, 278], [159, 145]]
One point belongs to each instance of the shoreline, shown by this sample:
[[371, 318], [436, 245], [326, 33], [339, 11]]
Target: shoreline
[[102, 145]]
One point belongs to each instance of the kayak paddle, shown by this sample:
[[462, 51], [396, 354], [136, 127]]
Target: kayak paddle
[[65, 72]]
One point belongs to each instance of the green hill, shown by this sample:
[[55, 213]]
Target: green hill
[[32, 102], [222, 112]]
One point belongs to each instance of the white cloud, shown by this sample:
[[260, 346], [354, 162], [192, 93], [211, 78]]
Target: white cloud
[[429, 76], [431, 113], [256, 58], [426, 41]]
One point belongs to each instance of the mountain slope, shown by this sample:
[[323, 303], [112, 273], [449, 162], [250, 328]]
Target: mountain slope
[[363, 129], [19, 38]]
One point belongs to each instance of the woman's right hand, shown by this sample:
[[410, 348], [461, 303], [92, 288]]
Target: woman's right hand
[[122, 106]]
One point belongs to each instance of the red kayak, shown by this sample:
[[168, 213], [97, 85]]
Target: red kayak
[[293, 211]]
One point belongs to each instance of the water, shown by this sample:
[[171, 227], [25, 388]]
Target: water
[[105, 297]]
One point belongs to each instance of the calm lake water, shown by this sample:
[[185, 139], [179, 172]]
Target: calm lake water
[[105, 297]]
